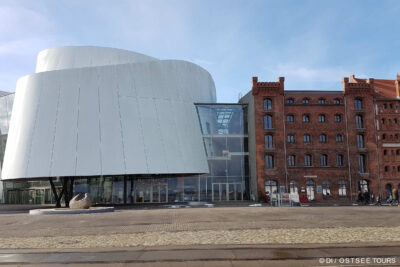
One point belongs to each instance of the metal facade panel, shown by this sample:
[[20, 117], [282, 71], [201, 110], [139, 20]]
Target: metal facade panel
[[112, 151], [171, 143], [42, 141], [88, 147], [152, 137], [134, 147], [22, 127], [65, 141]]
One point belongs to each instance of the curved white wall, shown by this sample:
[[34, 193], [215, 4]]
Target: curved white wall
[[133, 118]]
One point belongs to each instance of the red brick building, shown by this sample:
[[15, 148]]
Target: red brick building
[[331, 143]]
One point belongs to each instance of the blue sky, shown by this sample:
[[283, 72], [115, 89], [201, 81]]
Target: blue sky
[[312, 43]]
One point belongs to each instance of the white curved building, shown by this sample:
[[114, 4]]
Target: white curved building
[[94, 111]]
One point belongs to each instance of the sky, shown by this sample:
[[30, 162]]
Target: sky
[[313, 44]]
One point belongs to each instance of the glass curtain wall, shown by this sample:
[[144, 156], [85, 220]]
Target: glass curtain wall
[[225, 137]]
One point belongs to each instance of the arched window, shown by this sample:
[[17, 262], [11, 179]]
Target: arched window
[[268, 122], [388, 189], [306, 101], [324, 160], [293, 187], [321, 118], [269, 161], [383, 136], [361, 163], [326, 189], [338, 118], [290, 118], [307, 160], [322, 138], [342, 188], [359, 122], [306, 118], [267, 104], [386, 168], [358, 104], [269, 141], [310, 190], [360, 141], [271, 187], [340, 158], [290, 138], [339, 138], [336, 101], [292, 160], [383, 121], [307, 138], [321, 101], [289, 101], [363, 186]]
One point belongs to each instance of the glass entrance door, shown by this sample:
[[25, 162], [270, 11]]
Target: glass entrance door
[[227, 191], [151, 193]]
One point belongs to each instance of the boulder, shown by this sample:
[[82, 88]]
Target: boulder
[[80, 201]]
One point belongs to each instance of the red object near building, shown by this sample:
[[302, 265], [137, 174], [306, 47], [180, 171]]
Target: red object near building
[[266, 198], [303, 198]]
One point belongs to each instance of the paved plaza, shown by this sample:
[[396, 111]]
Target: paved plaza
[[198, 234]]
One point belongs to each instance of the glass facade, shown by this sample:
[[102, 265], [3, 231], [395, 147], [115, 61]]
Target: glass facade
[[224, 133]]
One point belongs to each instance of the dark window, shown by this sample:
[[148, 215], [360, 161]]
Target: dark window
[[361, 163], [307, 160], [289, 101], [391, 106], [324, 160], [383, 136], [383, 121], [321, 101], [322, 138], [384, 106], [306, 118], [290, 138], [269, 141], [340, 160], [292, 160], [359, 122], [397, 152], [384, 152], [290, 118], [307, 138], [339, 138], [321, 118], [269, 161], [357, 104], [267, 104], [338, 118], [398, 168], [336, 101], [395, 121], [386, 168], [306, 101], [268, 122], [360, 141]]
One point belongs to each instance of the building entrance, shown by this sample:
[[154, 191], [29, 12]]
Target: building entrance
[[227, 191], [151, 193]]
